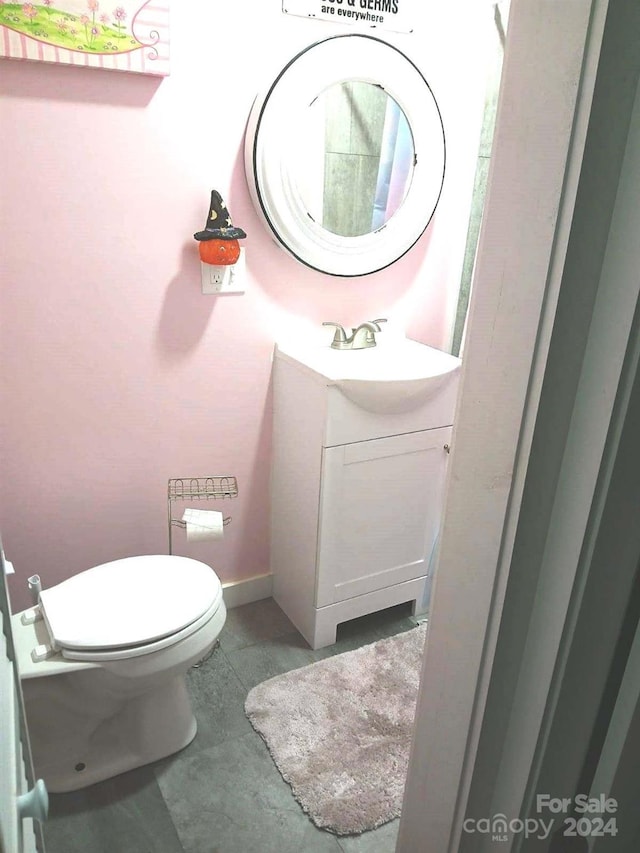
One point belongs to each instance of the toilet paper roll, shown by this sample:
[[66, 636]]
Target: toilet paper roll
[[203, 524]]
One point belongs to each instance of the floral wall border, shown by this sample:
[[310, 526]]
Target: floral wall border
[[124, 35]]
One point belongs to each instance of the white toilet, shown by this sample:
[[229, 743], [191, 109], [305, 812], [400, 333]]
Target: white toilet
[[103, 659]]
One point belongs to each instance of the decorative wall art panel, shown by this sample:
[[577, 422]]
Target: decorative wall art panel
[[122, 35]]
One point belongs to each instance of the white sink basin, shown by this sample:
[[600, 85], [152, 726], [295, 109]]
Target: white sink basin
[[393, 377]]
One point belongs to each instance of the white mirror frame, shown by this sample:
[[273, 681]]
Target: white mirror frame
[[274, 153]]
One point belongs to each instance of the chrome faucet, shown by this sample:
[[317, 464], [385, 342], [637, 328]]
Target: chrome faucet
[[361, 337], [364, 336]]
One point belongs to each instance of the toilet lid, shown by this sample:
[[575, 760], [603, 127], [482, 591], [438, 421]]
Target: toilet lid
[[129, 602]]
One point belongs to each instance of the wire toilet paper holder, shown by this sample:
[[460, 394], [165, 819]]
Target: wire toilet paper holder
[[197, 489]]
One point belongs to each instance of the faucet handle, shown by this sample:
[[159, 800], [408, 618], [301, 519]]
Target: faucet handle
[[377, 322], [340, 336]]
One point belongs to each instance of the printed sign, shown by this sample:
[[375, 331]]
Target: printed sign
[[386, 14]]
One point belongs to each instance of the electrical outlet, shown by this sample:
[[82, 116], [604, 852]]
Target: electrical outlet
[[212, 278], [226, 279]]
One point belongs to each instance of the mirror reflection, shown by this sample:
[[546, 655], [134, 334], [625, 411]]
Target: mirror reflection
[[359, 158]]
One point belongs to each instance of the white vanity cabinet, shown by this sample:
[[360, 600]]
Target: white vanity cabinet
[[356, 499]]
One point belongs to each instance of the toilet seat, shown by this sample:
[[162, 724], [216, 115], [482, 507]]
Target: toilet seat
[[130, 607], [146, 648]]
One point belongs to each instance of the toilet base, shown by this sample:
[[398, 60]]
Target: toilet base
[[75, 745]]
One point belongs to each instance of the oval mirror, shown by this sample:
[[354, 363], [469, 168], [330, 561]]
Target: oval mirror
[[345, 155]]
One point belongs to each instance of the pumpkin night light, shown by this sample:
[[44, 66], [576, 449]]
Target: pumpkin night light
[[218, 243]]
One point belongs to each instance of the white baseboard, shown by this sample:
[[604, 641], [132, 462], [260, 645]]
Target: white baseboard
[[245, 591]]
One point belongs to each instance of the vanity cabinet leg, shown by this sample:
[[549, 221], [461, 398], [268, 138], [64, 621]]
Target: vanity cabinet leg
[[324, 631], [419, 607]]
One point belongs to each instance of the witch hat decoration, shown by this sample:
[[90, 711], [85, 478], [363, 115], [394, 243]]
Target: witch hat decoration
[[219, 225]]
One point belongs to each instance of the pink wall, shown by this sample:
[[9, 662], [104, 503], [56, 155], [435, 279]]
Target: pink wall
[[116, 372]]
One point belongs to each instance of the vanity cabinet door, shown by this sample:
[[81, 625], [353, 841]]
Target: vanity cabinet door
[[380, 509]]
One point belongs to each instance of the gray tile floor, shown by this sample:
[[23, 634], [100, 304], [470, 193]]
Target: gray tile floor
[[223, 793]]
